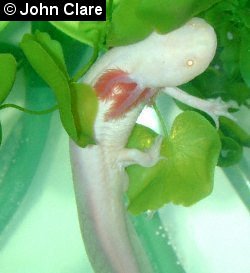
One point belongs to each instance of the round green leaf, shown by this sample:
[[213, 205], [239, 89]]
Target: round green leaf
[[231, 152], [185, 174], [126, 27], [231, 129], [166, 15], [141, 138]]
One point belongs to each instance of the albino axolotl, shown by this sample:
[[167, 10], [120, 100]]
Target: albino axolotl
[[125, 79]]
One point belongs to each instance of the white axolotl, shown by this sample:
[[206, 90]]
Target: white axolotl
[[125, 79]]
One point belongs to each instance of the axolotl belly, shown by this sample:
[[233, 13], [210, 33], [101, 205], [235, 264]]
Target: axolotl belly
[[125, 79]]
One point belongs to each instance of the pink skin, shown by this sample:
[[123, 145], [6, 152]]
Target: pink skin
[[125, 79]]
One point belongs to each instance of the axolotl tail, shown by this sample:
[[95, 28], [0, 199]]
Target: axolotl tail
[[110, 241]]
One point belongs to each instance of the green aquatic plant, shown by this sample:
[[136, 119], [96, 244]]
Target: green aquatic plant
[[46, 57], [228, 77]]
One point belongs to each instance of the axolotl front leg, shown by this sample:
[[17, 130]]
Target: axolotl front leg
[[125, 79]]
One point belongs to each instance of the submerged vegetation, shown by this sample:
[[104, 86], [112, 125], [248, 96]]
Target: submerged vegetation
[[193, 140]]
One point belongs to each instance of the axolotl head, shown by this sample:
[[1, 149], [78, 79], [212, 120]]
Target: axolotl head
[[174, 58]]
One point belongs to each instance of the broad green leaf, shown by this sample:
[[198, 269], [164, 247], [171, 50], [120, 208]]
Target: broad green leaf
[[211, 84], [9, 48], [213, 16], [231, 129], [54, 49], [167, 15], [3, 24], [7, 75], [84, 109], [85, 32], [77, 103], [245, 15], [231, 152], [245, 56], [126, 27], [230, 58], [141, 138], [243, 3], [239, 92], [185, 174], [50, 71]]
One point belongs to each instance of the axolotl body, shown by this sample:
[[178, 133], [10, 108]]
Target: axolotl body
[[126, 78]]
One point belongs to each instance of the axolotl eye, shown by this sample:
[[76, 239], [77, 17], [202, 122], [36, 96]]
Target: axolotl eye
[[190, 62]]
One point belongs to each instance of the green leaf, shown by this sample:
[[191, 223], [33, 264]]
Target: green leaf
[[141, 138], [239, 92], [231, 152], [167, 15], [53, 48], [243, 3], [126, 27], [7, 75], [245, 15], [3, 24], [185, 175], [77, 103], [231, 129], [84, 109], [48, 67], [245, 56], [230, 59], [212, 84], [85, 32], [1, 134], [225, 10]]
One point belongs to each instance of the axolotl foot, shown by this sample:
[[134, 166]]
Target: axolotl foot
[[217, 107], [213, 107], [147, 158]]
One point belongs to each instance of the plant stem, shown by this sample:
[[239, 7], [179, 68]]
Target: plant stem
[[162, 122], [32, 112]]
